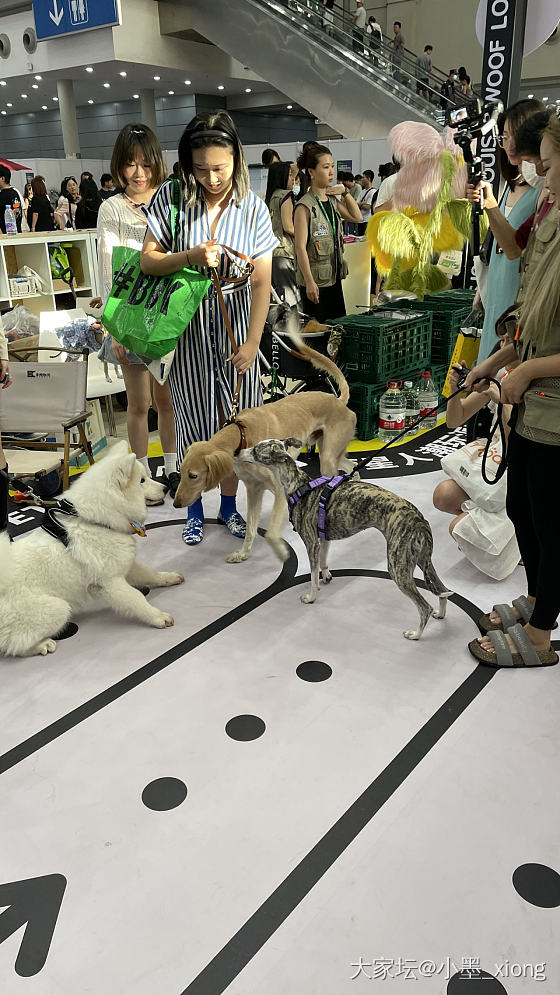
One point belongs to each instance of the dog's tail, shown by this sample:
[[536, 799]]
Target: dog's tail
[[5, 561], [425, 542], [319, 361]]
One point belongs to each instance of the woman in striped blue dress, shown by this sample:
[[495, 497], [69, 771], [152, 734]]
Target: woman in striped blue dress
[[218, 208]]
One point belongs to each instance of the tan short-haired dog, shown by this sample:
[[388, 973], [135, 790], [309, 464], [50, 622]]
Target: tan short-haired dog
[[314, 417]]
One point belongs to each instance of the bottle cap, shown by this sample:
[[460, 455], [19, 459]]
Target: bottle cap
[[394, 384]]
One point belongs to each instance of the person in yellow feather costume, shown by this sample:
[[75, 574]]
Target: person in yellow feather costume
[[430, 213]]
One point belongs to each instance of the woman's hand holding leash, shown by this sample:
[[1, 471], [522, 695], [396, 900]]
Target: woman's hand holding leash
[[244, 358], [205, 254]]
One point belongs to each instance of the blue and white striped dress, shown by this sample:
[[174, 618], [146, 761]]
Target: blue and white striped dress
[[200, 375]]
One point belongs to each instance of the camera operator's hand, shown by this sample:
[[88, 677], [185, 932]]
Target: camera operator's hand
[[455, 373], [473, 194]]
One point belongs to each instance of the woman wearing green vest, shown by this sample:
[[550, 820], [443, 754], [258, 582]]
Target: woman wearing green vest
[[280, 202], [318, 234]]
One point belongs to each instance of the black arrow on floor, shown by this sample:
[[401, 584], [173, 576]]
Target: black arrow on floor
[[35, 901]]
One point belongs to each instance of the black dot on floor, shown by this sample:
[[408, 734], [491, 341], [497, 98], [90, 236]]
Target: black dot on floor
[[314, 670], [164, 793], [474, 982], [70, 629], [538, 884], [245, 727]]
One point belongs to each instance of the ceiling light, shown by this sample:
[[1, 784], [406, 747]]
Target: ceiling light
[[545, 99], [171, 93], [247, 89], [89, 69], [3, 82], [157, 78], [136, 96], [34, 86], [90, 101], [24, 95], [220, 87], [38, 78], [9, 105], [289, 107], [187, 82], [4, 112], [530, 96], [123, 73], [106, 85], [44, 107], [56, 99]]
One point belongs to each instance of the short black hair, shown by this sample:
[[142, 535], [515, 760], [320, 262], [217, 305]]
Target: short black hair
[[268, 156], [5, 173], [529, 135], [105, 178], [395, 24], [370, 174], [428, 48]]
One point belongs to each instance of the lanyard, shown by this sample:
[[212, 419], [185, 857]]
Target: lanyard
[[330, 216]]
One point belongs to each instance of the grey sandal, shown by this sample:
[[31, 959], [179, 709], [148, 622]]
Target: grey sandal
[[527, 656], [508, 616]]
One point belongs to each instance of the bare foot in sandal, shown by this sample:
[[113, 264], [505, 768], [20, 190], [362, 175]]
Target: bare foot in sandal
[[539, 639], [495, 618]]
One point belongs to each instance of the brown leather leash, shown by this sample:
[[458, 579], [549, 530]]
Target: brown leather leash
[[216, 278]]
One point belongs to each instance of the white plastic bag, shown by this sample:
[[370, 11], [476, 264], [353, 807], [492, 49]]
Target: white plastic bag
[[27, 272], [19, 322]]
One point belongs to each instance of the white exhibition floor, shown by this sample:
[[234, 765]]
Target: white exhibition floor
[[375, 832]]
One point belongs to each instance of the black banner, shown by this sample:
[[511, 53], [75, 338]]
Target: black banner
[[501, 67]]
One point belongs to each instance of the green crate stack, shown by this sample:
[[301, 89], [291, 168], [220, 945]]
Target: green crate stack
[[364, 400], [456, 297], [378, 346]]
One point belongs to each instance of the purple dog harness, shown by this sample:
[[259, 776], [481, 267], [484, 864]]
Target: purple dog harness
[[329, 485]]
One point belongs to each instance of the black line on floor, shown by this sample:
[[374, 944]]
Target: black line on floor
[[149, 670], [236, 954]]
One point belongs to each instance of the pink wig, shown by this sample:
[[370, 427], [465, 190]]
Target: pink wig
[[418, 148]]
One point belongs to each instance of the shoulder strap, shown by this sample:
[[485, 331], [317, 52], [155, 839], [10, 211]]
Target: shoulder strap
[[175, 212]]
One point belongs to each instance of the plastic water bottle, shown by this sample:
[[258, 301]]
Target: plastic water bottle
[[10, 221], [428, 397], [391, 411], [411, 407]]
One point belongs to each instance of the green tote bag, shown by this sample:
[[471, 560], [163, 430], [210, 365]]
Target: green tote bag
[[148, 314]]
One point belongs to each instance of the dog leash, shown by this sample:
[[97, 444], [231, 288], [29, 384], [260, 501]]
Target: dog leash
[[216, 278]]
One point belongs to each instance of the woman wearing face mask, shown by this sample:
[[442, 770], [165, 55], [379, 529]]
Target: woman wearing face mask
[[518, 203], [138, 168], [280, 202], [318, 234], [68, 202], [512, 240], [219, 208], [533, 475]]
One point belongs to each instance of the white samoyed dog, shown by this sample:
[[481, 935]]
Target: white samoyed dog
[[42, 580]]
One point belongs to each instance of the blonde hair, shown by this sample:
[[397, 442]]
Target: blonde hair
[[542, 299]]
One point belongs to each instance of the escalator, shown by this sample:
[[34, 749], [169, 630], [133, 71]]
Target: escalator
[[356, 85]]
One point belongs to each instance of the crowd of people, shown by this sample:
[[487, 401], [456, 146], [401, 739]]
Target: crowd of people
[[76, 206], [293, 240]]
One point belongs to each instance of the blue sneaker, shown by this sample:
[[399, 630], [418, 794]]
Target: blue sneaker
[[193, 532], [234, 523]]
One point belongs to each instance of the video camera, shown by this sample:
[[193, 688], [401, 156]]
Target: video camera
[[477, 118]]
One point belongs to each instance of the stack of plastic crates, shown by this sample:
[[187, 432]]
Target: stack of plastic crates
[[377, 347], [449, 309]]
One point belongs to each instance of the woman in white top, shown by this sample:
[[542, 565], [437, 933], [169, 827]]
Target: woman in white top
[[138, 169], [68, 202]]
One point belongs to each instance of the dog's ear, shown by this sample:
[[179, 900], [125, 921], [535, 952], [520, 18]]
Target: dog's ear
[[219, 465], [293, 444], [124, 466]]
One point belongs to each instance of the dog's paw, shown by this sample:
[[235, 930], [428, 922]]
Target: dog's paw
[[326, 576], [307, 599], [437, 614], [44, 647], [411, 634], [162, 620], [169, 579], [238, 557]]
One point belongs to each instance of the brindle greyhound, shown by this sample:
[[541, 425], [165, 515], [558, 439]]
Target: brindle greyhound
[[353, 506]]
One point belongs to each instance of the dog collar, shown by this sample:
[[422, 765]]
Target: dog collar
[[242, 435], [138, 528]]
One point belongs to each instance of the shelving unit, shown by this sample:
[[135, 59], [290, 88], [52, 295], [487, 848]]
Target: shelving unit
[[32, 250]]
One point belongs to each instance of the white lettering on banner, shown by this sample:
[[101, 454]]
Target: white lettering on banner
[[496, 60]]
